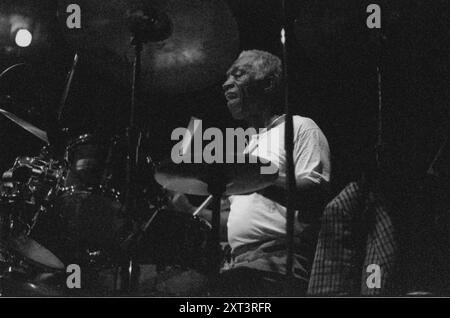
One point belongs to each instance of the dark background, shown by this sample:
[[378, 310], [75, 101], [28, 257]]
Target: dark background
[[333, 79]]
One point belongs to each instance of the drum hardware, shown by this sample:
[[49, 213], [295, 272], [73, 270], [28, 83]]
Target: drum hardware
[[26, 192], [25, 195], [145, 25], [85, 183]]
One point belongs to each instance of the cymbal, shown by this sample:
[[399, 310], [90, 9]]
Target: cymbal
[[34, 251], [37, 287], [42, 135], [202, 43], [194, 178]]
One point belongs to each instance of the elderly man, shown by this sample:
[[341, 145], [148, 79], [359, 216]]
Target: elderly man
[[256, 223]]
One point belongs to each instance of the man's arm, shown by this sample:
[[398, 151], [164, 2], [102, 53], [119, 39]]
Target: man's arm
[[306, 190], [311, 157], [207, 215], [302, 184], [179, 202]]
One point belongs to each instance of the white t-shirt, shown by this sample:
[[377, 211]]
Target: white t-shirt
[[254, 218]]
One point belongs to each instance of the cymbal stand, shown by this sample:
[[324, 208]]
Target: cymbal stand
[[216, 187], [146, 25], [133, 136]]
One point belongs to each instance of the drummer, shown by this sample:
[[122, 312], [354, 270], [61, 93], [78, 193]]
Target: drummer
[[256, 223]]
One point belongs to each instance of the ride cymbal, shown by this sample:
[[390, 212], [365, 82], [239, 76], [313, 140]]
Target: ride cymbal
[[202, 42]]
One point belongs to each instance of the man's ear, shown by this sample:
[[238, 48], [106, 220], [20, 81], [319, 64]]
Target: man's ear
[[259, 87], [269, 85]]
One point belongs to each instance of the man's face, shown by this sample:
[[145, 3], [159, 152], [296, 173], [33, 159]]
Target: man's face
[[238, 78]]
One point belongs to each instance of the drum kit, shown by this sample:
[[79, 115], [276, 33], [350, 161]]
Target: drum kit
[[83, 203], [57, 211]]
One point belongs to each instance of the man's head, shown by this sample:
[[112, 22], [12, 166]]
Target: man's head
[[253, 84]]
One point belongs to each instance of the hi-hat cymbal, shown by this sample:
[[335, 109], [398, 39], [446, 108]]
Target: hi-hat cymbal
[[203, 41], [42, 135], [195, 178]]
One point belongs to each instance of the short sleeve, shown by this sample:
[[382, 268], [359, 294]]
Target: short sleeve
[[311, 156]]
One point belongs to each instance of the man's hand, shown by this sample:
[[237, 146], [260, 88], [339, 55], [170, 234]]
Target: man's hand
[[225, 205], [179, 203]]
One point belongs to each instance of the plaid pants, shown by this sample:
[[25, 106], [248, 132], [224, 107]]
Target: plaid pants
[[355, 233]]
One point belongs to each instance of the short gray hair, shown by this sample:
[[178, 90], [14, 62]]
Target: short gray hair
[[264, 65]]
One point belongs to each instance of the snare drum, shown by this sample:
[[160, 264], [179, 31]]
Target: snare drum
[[174, 256], [177, 239]]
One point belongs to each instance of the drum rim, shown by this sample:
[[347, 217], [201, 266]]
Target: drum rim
[[108, 192], [87, 138]]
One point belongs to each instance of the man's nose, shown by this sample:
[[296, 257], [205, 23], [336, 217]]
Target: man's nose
[[228, 84]]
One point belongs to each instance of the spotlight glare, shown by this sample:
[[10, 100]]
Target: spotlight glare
[[23, 38]]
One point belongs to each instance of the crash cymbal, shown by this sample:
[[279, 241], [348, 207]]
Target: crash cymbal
[[42, 135], [202, 41], [194, 178]]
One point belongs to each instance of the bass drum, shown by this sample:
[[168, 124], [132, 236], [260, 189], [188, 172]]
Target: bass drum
[[89, 200], [92, 226]]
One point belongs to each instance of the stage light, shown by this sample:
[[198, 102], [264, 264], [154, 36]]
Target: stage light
[[23, 38]]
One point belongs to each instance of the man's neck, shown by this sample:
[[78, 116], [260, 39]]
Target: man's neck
[[262, 119]]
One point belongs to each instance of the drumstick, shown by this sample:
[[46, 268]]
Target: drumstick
[[139, 231], [188, 137], [203, 205]]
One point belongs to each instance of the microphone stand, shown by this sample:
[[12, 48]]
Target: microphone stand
[[289, 148], [378, 38]]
